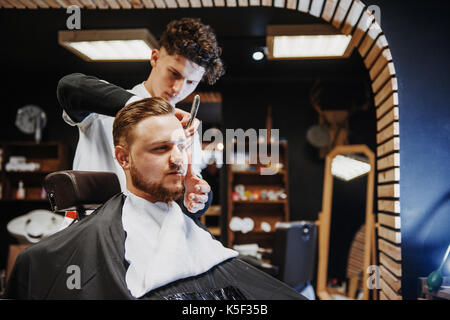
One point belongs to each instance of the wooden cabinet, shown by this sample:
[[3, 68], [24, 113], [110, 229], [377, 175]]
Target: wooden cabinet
[[264, 212], [48, 157], [211, 219], [44, 158]]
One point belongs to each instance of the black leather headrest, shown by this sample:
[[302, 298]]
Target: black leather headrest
[[72, 190]]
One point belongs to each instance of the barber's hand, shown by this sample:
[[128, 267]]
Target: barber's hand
[[196, 192], [184, 118]]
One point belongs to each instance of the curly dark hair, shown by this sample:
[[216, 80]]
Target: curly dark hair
[[190, 38]]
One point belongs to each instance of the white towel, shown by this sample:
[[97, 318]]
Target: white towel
[[163, 245]]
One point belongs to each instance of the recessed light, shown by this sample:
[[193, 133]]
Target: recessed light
[[258, 55]]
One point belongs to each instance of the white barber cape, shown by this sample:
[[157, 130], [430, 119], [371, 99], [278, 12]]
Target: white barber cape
[[95, 149], [164, 245]]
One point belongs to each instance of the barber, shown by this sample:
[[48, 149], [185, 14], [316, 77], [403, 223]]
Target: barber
[[188, 54]]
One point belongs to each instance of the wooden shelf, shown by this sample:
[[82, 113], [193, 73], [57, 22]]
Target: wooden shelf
[[24, 200], [214, 212], [215, 231], [256, 173], [28, 172], [254, 232], [260, 202], [268, 211], [51, 156]]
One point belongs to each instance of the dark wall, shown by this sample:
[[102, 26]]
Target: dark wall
[[418, 35]]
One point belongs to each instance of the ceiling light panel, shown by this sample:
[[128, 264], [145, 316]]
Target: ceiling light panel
[[109, 45], [317, 41]]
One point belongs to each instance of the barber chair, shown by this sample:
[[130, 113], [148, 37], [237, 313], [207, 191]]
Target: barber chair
[[80, 190], [73, 191]]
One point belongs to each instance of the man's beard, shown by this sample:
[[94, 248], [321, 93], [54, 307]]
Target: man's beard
[[155, 190]]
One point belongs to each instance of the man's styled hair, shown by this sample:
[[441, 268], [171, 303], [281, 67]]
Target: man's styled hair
[[190, 38], [130, 115]]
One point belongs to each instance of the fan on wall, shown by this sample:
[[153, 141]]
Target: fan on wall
[[31, 119]]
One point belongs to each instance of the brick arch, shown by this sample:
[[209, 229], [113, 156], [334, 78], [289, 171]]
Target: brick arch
[[350, 17]]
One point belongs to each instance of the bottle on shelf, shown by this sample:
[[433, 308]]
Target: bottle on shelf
[[43, 194], [20, 191]]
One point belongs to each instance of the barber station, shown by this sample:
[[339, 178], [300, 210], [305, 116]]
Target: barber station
[[224, 150]]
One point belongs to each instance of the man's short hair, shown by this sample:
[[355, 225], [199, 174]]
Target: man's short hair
[[130, 115], [190, 38]]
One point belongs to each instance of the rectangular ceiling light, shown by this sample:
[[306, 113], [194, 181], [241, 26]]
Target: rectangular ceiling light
[[109, 45], [316, 41], [348, 168]]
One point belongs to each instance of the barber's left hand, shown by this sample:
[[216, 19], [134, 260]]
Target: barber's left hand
[[196, 192]]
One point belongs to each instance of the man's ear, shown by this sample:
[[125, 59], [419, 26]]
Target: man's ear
[[154, 57], [122, 156]]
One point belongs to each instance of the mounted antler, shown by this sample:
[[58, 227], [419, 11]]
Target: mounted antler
[[332, 129], [314, 98]]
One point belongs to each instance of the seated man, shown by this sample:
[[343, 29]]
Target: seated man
[[139, 244]]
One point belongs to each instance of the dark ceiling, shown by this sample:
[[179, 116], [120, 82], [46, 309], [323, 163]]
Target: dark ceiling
[[29, 39], [30, 50]]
